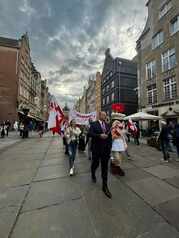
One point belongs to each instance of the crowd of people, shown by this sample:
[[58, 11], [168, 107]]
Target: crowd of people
[[22, 127], [104, 141], [4, 128]]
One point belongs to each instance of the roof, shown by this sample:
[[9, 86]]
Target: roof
[[7, 42]]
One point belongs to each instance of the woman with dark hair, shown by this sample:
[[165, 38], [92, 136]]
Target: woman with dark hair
[[72, 135]]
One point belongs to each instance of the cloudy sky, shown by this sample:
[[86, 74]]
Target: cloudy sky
[[68, 38]]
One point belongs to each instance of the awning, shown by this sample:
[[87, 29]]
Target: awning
[[170, 114], [142, 116]]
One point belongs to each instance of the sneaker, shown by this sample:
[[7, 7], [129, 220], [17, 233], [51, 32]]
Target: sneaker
[[71, 172], [164, 161]]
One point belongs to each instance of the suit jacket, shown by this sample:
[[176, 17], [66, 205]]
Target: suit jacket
[[100, 146]]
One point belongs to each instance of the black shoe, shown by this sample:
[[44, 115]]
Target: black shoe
[[107, 192], [93, 178]]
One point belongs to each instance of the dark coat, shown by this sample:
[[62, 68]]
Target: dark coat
[[164, 134], [100, 146]]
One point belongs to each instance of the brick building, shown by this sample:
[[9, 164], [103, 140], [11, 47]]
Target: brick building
[[20, 83], [9, 54], [158, 60]]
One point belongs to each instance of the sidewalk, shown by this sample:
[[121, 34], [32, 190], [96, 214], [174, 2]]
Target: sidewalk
[[39, 199], [10, 140]]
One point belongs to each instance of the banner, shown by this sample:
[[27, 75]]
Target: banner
[[82, 119], [56, 117]]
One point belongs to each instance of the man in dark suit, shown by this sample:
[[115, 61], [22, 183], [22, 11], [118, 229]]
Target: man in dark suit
[[101, 148]]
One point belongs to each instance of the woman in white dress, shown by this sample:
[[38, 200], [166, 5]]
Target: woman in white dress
[[118, 147]]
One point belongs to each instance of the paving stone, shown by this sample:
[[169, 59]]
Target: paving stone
[[48, 162], [134, 174], [170, 210], [51, 192], [127, 165], [16, 164], [144, 162], [154, 191], [51, 172], [127, 214], [70, 219], [173, 181], [161, 230], [17, 178], [7, 219], [12, 197], [163, 171]]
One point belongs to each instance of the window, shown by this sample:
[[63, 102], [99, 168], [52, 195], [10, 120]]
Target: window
[[107, 99], [174, 25], [103, 91], [168, 60], [103, 101], [112, 97], [170, 88], [152, 94], [165, 8], [112, 84], [107, 88], [151, 69], [157, 40]]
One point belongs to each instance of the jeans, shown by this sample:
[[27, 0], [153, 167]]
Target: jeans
[[72, 147]]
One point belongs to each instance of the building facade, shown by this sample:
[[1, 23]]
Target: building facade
[[98, 92], [158, 60], [91, 95], [119, 81], [9, 50], [20, 82]]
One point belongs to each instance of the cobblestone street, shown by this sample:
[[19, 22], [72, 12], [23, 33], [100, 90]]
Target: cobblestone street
[[39, 199]]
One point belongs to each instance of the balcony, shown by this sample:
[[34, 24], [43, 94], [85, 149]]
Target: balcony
[[150, 82]]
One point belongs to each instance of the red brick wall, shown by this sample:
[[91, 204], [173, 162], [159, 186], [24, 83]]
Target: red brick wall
[[8, 84]]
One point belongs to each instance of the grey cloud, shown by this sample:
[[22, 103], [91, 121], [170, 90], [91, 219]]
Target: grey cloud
[[68, 38]]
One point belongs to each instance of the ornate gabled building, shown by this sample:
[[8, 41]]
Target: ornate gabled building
[[119, 81], [20, 82], [158, 60]]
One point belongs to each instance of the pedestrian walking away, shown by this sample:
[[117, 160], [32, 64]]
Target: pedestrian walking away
[[101, 149], [164, 141], [40, 129], [72, 135], [177, 139]]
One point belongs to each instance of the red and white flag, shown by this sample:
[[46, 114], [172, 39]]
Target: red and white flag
[[56, 117], [132, 126]]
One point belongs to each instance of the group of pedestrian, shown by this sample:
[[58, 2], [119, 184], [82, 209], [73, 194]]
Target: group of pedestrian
[[4, 128], [105, 141], [169, 139]]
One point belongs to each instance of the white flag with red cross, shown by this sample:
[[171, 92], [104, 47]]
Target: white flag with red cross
[[56, 117]]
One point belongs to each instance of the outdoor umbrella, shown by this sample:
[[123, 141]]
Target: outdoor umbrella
[[142, 116]]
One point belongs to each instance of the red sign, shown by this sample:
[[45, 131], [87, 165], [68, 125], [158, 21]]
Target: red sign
[[118, 107]]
